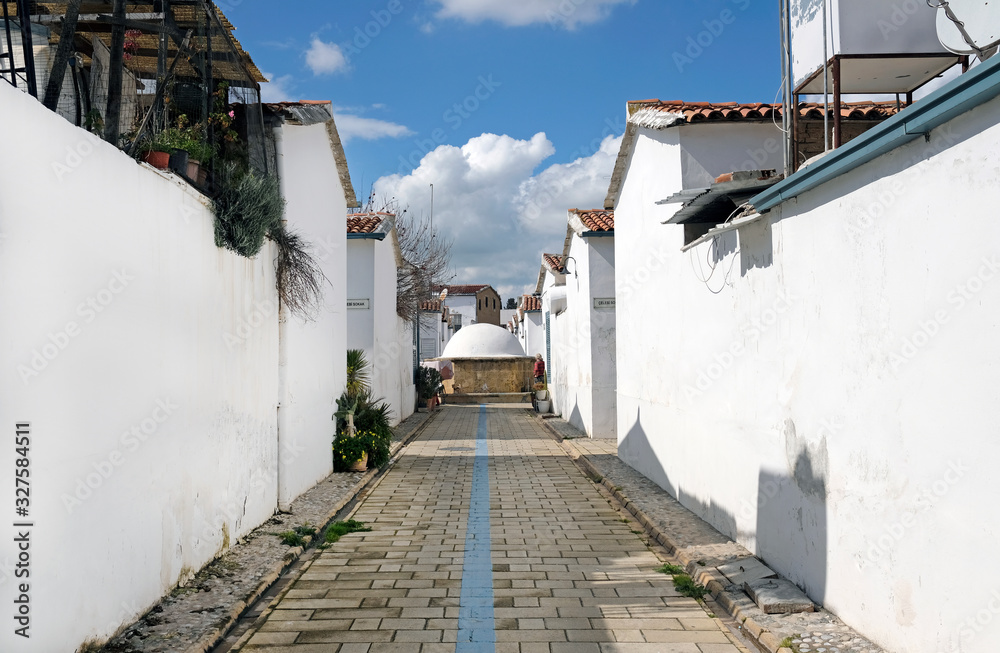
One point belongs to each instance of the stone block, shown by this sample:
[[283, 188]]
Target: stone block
[[776, 596], [746, 570]]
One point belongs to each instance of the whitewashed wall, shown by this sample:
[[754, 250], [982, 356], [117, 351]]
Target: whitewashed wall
[[532, 333], [314, 365], [603, 349], [465, 305], [571, 360], [392, 353], [145, 359], [378, 330], [583, 354], [840, 383], [361, 285]]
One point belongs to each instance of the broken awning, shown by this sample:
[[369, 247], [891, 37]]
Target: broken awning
[[719, 202]]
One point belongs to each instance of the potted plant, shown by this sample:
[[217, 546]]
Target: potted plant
[[155, 150], [199, 154], [540, 391], [543, 405], [428, 385], [350, 453]]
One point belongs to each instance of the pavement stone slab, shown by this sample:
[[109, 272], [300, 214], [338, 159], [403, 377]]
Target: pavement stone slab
[[564, 572]]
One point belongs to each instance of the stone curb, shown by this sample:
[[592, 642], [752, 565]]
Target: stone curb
[[213, 639], [713, 580]]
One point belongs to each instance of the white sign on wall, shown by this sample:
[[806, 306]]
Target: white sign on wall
[[359, 304], [604, 302]]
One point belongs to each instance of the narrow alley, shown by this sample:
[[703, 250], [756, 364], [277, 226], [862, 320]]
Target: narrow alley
[[486, 537]]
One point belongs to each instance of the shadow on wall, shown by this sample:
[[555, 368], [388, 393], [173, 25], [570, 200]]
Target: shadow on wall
[[575, 416], [756, 246], [791, 526], [792, 522]]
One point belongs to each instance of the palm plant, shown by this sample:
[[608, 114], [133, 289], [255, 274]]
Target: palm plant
[[357, 373]]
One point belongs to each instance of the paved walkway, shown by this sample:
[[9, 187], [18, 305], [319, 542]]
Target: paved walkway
[[486, 537]]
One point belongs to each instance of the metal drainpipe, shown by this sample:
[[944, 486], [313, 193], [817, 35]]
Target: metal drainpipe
[[282, 337]]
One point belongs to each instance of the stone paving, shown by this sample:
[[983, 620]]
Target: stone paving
[[191, 616], [568, 574], [819, 632]]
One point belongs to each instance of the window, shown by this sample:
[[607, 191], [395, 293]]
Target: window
[[494, 304], [479, 304]]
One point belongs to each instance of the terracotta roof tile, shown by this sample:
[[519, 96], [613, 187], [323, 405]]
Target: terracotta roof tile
[[531, 303], [695, 112], [466, 289], [596, 220], [554, 262], [365, 223], [433, 305]]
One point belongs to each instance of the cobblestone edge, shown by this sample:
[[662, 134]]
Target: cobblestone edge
[[213, 639], [739, 606]]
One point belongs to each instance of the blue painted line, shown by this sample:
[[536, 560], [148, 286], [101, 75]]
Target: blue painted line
[[476, 629]]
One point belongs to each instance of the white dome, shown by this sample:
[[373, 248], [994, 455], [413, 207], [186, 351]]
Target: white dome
[[482, 341]]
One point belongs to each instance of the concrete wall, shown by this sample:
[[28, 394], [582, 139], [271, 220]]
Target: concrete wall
[[145, 359], [836, 370], [313, 366]]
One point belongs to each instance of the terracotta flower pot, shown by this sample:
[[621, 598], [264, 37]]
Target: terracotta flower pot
[[360, 465], [159, 160], [193, 169]]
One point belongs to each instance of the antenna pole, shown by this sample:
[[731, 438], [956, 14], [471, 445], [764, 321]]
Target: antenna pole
[[432, 208]]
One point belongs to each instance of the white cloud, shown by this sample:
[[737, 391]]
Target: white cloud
[[325, 58], [279, 89], [368, 129], [499, 214], [558, 13]]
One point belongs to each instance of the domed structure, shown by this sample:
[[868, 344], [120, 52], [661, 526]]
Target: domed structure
[[482, 341], [488, 361]]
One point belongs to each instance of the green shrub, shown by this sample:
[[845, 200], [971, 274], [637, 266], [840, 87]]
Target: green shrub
[[687, 587], [428, 382], [341, 528], [372, 417], [247, 208]]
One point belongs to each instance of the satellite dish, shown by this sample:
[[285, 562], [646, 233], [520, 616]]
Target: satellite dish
[[968, 26]]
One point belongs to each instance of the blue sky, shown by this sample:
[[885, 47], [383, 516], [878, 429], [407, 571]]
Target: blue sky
[[511, 108]]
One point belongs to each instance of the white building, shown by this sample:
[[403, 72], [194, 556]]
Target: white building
[[530, 326], [582, 346], [830, 352], [373, 325], [471, 304], [437, 326], [312, 370], [170, 413]]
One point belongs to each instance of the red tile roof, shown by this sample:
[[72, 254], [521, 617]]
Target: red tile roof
[[433, 305], [531, 303], [554, 261], [365, 223], [596, 220], [467, 289], [755, 111]]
